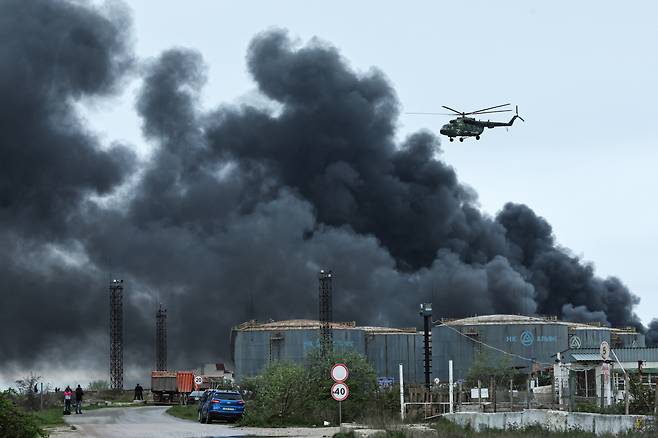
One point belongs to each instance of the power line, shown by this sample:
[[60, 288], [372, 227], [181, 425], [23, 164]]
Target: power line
[[495, 348]]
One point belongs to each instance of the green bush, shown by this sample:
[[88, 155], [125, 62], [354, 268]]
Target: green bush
[[278, 396], [98, 385], [15, 423], [292, 394]]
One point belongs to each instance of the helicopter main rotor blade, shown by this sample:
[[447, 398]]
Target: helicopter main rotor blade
[[490, 108], [431, 114], [491, 112], [453, 110]]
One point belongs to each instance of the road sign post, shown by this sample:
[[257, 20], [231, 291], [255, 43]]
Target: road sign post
[[339, 390]]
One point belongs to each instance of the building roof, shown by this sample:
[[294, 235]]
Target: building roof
[[586, 357], [527, 320], [624, 355], [312, 324]]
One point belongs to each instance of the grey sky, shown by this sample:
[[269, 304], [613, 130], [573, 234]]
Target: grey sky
[[582, 74]]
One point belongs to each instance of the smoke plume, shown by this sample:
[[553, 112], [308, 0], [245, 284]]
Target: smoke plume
[[238, 207]]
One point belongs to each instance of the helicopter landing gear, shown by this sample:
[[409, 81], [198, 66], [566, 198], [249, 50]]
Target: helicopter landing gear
[[477, 137], [452, 139], [461, 139]]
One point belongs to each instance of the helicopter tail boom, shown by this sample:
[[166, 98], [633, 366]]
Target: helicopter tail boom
[[511, 122]]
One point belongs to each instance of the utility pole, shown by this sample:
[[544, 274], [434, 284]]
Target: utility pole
[[161, 339], [558, 380], [326, 313], [451, 392], [116, 334], [401, 394], [655, 406], [426, 313]]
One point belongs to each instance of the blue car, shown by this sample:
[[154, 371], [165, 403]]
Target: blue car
[[220, 404]]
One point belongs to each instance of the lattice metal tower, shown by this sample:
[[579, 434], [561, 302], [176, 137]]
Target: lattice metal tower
[[161, 339], [326, 313], [116, 334]]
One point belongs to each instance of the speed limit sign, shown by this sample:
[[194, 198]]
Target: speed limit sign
[[340, 391]]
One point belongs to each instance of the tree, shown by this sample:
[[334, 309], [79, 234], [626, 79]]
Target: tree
[[98, 385], [288, 393], [279, 395], [485, 367], [362, 382], [14, 423], [26, 388]]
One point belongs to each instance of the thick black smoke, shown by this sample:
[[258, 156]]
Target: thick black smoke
[[652, 334], [53, 54], [239, 207]]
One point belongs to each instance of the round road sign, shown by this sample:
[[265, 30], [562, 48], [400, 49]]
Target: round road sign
[[605, 350], [340, 391], [198, 380], [339, 372]]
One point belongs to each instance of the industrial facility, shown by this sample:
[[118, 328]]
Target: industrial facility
[[254, 345], [532, 343]]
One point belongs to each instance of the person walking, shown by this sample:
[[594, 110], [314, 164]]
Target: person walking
[[78, 399], [138, 392], [68, 393]]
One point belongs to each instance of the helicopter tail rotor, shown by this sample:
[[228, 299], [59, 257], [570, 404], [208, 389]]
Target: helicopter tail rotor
[[517, 114]]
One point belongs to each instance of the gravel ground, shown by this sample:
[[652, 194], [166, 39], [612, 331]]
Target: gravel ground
[[153, 422]]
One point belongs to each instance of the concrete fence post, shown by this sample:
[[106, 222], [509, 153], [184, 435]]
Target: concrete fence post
[[626, 391], [459, 395], [602, 391], [572, 391], [655, 406], [480, 394]]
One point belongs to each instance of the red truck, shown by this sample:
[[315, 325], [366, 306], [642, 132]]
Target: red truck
[[171, 387]]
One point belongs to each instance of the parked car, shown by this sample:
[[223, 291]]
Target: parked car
[[220, 404], [194, 396]]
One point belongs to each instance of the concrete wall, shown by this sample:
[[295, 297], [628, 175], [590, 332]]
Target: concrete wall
[[556, 421]]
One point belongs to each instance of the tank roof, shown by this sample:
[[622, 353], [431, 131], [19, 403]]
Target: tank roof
[[312, 324], [524, 319]]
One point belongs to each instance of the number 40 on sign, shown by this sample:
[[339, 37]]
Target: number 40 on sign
[[340, 391]]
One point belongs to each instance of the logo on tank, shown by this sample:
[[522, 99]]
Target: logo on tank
[[575, 342], [527, 338]]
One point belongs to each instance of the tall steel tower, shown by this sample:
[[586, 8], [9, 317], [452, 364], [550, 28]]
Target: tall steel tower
[[161, 339], [116, 334], [326, 313]]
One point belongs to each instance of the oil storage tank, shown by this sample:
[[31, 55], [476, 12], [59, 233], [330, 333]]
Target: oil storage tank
[[254, 345], [529, 343]]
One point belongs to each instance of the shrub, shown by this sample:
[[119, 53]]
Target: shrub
[[288, 394], [15, 423]]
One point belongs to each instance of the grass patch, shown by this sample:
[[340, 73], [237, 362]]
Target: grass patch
[[188, 412], [49, 417]]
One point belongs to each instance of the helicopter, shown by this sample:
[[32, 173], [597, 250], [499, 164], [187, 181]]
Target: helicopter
[[464, 126]]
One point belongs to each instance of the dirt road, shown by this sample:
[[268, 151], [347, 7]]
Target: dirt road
[[153, 422]]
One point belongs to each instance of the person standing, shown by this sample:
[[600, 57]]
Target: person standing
[[138, 392], [78, 399], [68, 393]]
